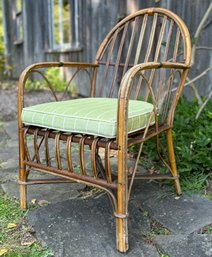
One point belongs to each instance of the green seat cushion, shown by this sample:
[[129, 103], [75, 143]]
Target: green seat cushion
[[93, 116]]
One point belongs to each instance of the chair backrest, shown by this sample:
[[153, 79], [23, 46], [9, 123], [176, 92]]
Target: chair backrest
[[149, 35]]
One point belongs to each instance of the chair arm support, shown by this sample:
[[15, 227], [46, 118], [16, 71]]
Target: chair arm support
[[125, 90], [25, 74], [32, 68], [125, 87], [58, 64]]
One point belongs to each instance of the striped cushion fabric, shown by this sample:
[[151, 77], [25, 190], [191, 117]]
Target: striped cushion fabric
[[93, 116]]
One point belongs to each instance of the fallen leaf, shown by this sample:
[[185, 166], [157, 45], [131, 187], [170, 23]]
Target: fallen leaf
[[3, 251], [43, 202], [177, 198], [152, 170], [11, 225], [33, 201]]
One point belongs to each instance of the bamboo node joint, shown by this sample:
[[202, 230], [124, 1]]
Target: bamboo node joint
[[121, 216], [150, 12]]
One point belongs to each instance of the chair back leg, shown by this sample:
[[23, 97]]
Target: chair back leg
[[173, 162]]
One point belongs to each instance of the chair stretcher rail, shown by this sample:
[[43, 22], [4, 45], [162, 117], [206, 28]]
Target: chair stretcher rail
[[73, 176]]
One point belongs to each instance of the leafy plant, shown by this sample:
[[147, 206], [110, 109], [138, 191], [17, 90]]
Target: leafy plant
[[193, 145], [193, 138], [55, 79], [34, 85]]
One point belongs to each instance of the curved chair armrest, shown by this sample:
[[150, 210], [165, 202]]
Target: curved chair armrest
[[25, 74], [32, 68], [125, 87], [125, 90]]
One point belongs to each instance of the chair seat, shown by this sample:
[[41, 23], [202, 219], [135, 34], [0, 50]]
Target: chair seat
[[93, 116]]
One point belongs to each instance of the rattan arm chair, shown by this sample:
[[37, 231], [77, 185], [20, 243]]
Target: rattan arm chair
[[146, 58]]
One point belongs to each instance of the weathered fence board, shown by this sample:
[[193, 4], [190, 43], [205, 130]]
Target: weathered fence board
[[95, 19]]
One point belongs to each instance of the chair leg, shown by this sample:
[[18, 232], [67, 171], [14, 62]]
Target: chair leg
[[122, 234], [173, 162], [22, 173], [122, 205], [23, 195]]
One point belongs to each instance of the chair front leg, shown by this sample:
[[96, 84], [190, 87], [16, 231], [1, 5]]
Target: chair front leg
[[23, 189], [122, 205], [173, 162], [22, 172]]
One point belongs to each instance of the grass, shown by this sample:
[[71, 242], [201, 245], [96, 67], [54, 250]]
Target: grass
[[9, 213], [196, 183], [14, 228], [155, 229]]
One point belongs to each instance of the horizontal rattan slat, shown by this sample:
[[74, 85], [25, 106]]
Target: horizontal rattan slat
[[75, 138], [155, 176], [134, 138], [113, 64], [45, 181], [68, 175]]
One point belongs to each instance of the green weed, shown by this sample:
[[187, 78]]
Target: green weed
[[193, 146], [34, 250], [155, 229], [9, 213], [13, 225], [163, 255], [195, 182], [206, 230]]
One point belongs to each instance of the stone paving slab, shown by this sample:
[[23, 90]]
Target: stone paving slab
[[9, 153], [185, 246], [9, 174], [3, 137], [52, 193], [181, 216], [78, 228], [11, 128]]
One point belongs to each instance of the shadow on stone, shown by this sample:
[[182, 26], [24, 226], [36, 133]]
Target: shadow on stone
[[87, 228]]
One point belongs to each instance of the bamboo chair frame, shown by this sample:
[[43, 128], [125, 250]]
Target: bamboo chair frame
[[117, 187]]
